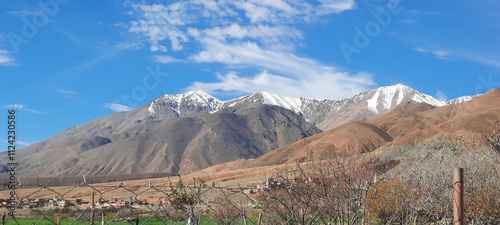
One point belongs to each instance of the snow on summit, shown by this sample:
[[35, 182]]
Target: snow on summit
[[385, 98]]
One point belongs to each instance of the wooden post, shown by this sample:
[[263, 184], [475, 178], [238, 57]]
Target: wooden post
[[137, 221], [3, 219], [58, 221], [458, 203], [92, 209], [260, 219]]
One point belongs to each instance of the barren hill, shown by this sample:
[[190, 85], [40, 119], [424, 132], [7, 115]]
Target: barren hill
[[181, 145]]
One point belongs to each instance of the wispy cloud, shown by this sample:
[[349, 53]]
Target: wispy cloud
[[252, 34], [21, 107], [166, 59], [6, 58], [21, 143], [483, 57], [440, 54], [424, 12], [64, 91], [24, 12], [67, 93], [441, 96], [130, 45], [117, 107]]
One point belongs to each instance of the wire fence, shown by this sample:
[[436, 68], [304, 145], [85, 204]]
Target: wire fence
[[144, 204], [339, 192]]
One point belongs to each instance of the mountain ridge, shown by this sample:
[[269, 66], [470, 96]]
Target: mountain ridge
[[313, 110]]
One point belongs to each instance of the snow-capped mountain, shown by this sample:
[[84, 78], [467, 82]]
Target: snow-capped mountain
[[186, 132], [377, 102], [190, 104], [326, 114]]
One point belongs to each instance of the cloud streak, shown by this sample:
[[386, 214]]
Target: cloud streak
[[440, 54], [21, 107], [117, 107], [166, 59], [6, 58]]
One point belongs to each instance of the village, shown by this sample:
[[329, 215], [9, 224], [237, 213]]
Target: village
[[251, 190]]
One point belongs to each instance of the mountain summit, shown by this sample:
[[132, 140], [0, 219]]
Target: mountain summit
[[326, 114]]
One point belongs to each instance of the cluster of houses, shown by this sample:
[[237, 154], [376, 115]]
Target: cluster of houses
[[272, 184], [101, 203], [249, 189]]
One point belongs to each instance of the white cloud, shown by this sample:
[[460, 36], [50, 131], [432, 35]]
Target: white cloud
[[248, 33], [484, 57], [21, 107], [117, 107], [335, 6], [302, 76], [166, 59], [440, 54], [66, 92], [129, 45], [5, 58], [238, 19], [441, 96], [325, 86]]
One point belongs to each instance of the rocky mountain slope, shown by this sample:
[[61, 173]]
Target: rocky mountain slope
[[179, 145], [186, 132]]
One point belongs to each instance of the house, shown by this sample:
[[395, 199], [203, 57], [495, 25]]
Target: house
[[121, 203]]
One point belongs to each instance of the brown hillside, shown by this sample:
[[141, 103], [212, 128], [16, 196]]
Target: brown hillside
[[470, 124], [355, 137]]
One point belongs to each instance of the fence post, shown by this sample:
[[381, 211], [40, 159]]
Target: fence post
[[92, 209], [58, 221], [458, 203]]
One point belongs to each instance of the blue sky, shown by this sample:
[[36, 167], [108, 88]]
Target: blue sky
[[66, 62]]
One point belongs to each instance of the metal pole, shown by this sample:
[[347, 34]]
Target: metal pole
[[458, 205], [92, 210]]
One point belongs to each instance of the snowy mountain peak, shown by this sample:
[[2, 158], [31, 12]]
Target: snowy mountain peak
[[192, 103], [264, 97], [199, 93], [389, 97], [365, 105]]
